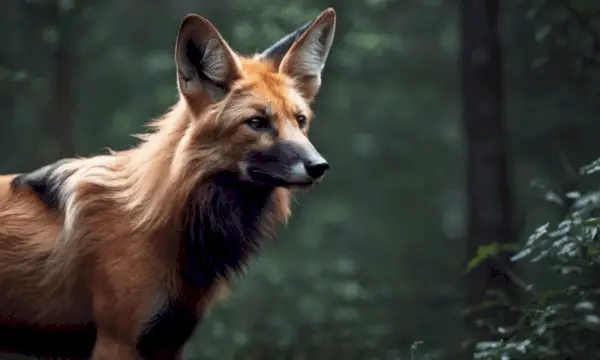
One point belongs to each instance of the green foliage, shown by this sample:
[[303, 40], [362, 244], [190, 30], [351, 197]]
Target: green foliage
[[566, 30], [488, 251], [559, 320]]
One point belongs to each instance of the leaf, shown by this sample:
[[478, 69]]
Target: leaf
[[543, 32], [540, 61], [590, 168], [521, 254], [66, 5], [483, 253], [50, 35]]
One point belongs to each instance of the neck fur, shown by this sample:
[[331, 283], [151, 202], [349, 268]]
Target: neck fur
[[220, 221], [161, 176]]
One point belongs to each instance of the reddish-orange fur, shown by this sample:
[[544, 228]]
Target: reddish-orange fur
[[110, 256]]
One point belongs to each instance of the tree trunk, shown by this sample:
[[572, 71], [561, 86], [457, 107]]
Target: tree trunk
[[490, 202], [61, 109]]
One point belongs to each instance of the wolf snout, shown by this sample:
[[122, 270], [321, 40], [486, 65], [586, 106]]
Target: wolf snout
[[316, 168]]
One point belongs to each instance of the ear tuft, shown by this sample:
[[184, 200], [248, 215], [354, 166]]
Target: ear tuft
[[205, 62]]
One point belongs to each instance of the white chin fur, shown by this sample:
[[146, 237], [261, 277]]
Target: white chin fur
[[298, 173], [243, 168]]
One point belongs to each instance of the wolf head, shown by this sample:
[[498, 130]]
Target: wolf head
[[253, 113]]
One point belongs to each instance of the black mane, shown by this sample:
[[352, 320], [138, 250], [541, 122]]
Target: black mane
[[223, 229]]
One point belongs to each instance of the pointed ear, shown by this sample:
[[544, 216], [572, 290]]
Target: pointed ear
[[302, 54], [205, 63], [277, 51]]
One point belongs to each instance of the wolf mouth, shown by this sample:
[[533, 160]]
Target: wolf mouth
[[262, 178]]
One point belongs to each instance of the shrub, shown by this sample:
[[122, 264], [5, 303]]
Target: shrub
[[558, 319]]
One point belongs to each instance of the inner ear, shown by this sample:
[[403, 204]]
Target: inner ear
[[277, 51], [306, 58], [205, 62], [302, 53]]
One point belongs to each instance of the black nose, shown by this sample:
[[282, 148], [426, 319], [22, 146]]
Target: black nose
[[316, 169]]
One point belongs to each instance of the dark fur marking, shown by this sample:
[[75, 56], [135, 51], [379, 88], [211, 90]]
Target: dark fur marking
[[218, 237], [44, 183], [48, 341], [168, 331], [220, 234]]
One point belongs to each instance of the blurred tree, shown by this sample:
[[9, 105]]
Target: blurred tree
[[490, 206], [58, 17]]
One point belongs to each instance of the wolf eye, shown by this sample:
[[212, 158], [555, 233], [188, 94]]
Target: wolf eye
[[258, 123], [301, 119]]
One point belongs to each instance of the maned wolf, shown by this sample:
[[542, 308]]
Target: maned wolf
[[118, 256]]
